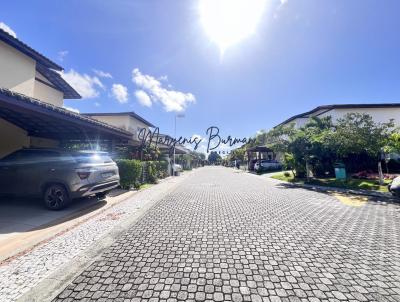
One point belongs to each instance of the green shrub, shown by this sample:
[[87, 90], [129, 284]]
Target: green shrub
[[286, 174], [162, 168], [151, 169], [130, 172], [155, 170]]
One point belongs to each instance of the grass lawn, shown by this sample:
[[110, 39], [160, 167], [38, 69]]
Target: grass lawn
[[351, 183], [145, 186]]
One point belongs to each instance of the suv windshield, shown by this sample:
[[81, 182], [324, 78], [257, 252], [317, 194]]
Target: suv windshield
[[31, 156], [92, 157]]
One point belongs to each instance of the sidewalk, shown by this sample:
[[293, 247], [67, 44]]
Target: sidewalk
[[66, 249], [24, 223]]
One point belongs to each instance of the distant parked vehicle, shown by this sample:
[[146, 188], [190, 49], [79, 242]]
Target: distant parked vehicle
[[178, 168], [267, 164], [394, 186], [57, 175]]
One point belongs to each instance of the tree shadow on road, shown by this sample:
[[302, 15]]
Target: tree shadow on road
[[342, 195]]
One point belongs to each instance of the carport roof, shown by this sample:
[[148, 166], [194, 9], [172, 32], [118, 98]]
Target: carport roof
[[259, 149], [41, 119]]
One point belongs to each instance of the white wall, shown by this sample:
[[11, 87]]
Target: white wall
[[299, 122], [379, 115], [135, 126], [125, 122], [120, 121], [12, 138], [17, 71], [48, 94]]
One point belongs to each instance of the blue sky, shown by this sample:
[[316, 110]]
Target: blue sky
[[301, 55]]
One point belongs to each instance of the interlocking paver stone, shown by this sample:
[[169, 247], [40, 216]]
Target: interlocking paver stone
[[224, 235]]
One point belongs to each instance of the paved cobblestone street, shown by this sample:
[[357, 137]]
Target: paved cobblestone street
[[224, 235]]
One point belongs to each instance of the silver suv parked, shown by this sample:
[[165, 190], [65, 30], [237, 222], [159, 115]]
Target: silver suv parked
[[267, 164], [57, 175]]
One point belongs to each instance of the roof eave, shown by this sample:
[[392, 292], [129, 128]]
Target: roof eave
[[27, 50], [129, 113], [338, 106], [56, 79], [39, 106]]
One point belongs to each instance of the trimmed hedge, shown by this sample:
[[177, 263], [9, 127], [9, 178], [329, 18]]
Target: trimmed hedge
[[133, 172], [130, 172]]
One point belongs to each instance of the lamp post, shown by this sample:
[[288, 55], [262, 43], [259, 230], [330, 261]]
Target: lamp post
[[181, 115]]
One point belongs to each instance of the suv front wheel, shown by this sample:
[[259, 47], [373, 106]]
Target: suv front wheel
[[55, 197]]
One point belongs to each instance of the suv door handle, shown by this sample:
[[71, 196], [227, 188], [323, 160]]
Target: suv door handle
[[52, 170]]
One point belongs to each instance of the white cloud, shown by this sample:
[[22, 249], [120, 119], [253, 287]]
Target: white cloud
[[143, 98], [282, 3], [198, 136], [71, 109], [7, 29], [102, 74], [120, 93], [202, 144], [86, 85], [97, 104], [62, 54], [172, 100], [202, 147]]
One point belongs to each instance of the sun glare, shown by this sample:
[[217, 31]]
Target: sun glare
[[227, 22]]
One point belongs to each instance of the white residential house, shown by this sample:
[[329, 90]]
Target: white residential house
[[27, 72], [32, 94], [134, 123], [382, 113], [128, 121]]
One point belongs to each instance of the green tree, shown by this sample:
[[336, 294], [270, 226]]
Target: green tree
[[393, 142], [355, 139], [237, 154], [296, 145], [289, 163], [280, 137], [357, 133], [214, 157]]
